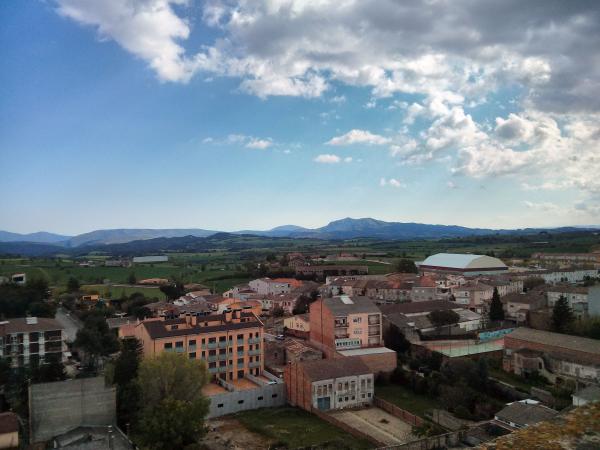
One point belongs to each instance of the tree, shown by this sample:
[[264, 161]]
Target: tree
[[278, 311], [562, 315], [131, 279], [173, 291], [124, 372], [531, 283], [406, 266], [73, 284], [172, 404], [95, 338], [439, 318], [496, 309]]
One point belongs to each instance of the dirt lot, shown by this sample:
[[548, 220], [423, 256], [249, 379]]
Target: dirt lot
[[378, 424], [231, 434]]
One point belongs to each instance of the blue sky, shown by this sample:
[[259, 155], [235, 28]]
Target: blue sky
[[218, 115]]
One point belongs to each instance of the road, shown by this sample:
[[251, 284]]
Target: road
[[71, 323]]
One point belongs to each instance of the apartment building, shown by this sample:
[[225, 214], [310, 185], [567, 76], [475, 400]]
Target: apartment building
[[344, 323], [231, 343], [473, 295], [329, 384], [267, 286], [28, 339]]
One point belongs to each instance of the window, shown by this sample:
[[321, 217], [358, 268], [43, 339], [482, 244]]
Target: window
[[220, 405], [240, 402], [274, 396], [168, 346], [179, 344], [260, 398], [193, 355], [192, 342]]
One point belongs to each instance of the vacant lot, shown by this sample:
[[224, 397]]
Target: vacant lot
[[297, 428], [407, 399], [378, 424], [119, 290]]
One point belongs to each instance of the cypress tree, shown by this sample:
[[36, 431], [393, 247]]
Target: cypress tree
[[562, 315], [496, 309]]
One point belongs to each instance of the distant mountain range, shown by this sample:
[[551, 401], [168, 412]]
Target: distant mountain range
[[348, 228]]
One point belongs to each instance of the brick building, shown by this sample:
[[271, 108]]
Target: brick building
[[554, 355], [231, 343], [329, 384], [344, 323]]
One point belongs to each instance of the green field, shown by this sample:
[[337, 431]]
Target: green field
[[298, 429], [407, 399], [119, 291]]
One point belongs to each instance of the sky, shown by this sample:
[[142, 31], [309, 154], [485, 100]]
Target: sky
[[251, 114]]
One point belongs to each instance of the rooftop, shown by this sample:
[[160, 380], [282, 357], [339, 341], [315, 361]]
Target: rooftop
[[419, 307], [344, 304], [158, 329], [326, 369], [463, 261], [524, 413], [29, 324], [366, 351], [564, 341]]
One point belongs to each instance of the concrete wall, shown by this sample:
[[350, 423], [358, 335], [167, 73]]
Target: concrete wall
[[56, 408], [263, 397]]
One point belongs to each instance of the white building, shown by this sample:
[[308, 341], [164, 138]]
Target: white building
[[150, 259], [465, 264], [267, 286]]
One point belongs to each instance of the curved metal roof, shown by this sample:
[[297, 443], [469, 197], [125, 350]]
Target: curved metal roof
[[462, 261]]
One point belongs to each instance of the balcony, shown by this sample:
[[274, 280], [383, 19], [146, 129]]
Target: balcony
[[223, 344], [253, 365], [254, 340], [179, 349], [192, 348], [223, 357], [210, 346], [240, 342], [254, 352], [212, 358], [240, 354]]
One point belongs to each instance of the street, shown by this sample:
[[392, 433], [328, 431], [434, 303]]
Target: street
[[71, 323]]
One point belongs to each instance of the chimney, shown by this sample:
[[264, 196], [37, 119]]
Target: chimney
[[227, 314]]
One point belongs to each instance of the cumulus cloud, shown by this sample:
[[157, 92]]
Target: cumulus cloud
[[359, 137], [327, 158], [260, 144], [393, 182], [449, 55]]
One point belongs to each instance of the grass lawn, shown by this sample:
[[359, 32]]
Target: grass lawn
[[519, 382], [297, 428], [407, 399]]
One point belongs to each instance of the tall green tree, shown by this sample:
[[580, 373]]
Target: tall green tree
[[73, 284], [124, 373], [172, 404], [95, 338], [562, 315], [406, 266], [496, 309]]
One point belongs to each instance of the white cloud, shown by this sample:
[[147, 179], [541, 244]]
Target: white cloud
[[451, 185], [259, 144], [327, 158], [359, 137], [393, 182], [348, 159]]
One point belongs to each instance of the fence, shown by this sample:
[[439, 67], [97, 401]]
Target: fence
[[442, 441], [347, 428], [398, 412]]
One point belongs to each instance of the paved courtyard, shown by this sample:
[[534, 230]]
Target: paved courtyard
[[378, 424]]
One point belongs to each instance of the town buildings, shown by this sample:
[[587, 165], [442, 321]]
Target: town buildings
[[231, 343], [26, 339], [518, 306], [267, 286], [322, 271], [576, 296], [298, 325], [553, 355], [343, 323], [329, 384], [568, 259]]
